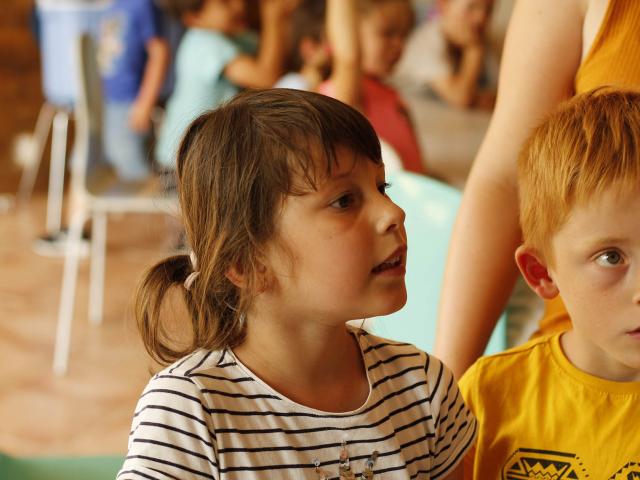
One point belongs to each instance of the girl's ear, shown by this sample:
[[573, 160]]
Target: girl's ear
[[235, 276], [240, 280], [535, 272]]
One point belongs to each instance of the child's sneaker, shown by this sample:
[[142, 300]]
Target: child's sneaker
[[55, 245]]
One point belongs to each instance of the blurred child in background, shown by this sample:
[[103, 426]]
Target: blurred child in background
[[216, 59], [367, 38], [447, 55], [309, 56], [133, 60]]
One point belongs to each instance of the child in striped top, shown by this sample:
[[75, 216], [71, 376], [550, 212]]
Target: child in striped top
[[284, 201]]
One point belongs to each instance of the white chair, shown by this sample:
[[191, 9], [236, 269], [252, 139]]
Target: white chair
[[61, 21], [86, 204]]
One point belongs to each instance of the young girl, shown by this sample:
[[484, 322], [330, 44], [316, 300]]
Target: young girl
[[367, 39], [216, 58], [284, 200]]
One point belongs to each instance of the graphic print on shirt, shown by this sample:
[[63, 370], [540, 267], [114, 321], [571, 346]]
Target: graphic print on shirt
[[631, 471], [111, 44], [528, 463]]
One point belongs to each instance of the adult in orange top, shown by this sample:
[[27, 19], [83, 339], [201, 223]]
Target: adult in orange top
[[552, 51]]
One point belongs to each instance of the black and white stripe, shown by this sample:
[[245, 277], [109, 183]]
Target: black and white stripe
[[208, 417]]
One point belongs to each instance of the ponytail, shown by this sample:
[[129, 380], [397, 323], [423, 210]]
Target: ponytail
[[215, 321], [155, 284]]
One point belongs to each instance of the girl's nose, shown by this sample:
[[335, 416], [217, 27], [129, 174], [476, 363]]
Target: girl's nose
[[391, 216], [636, 292]]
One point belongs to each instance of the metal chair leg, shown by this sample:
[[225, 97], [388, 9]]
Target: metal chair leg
[[96, 276], [68, 293], [56, 171], [41, 132]]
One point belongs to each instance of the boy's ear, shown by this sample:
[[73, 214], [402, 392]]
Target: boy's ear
[[535, 272]]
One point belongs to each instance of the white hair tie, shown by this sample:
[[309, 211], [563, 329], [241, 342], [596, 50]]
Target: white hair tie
[[193, 275]]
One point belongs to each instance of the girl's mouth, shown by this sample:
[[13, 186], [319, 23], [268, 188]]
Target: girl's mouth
[[389, 264]]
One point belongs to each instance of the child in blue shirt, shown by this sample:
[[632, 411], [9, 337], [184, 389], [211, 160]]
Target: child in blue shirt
[[215, 60], [133, 59]]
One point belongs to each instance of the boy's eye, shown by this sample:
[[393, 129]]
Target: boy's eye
[[383, 187], [609, 259], [345, 201]]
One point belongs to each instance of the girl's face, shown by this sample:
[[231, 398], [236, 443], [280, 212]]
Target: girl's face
[[383, 34], [225, 16], [465, 21], [339, 251]]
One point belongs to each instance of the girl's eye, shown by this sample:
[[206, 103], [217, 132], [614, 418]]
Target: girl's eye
[[609, 259], [383, 187], [344, 202]]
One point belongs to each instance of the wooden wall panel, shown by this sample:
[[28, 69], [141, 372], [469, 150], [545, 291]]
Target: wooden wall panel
[[20, 90]]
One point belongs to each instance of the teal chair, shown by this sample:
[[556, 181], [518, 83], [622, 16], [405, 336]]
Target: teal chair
[[431, 209], [59, 468]]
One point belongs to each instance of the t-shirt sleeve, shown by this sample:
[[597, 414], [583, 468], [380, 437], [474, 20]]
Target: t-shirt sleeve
[[146, 21], [214, 54], [455, 425], [171, 435]]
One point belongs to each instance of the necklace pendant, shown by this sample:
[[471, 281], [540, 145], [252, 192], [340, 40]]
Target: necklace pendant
[[344, 467], [367, 473], [347, 475], [320, 473]]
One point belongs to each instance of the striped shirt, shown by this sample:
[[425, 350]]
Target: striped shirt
[[209, 417]]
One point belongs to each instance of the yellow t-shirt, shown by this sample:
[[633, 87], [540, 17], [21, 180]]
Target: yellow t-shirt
[[540, 417]]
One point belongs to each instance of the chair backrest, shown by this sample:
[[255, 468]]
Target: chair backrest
[[431, 208], [88, 111]]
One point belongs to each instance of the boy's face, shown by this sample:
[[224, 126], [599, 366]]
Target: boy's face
[[465, 21], [226, 16], [597, 273]]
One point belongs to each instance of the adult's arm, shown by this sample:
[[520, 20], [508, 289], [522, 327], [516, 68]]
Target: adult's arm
[[541, 57]]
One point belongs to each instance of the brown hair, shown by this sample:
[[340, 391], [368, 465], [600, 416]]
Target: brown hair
[[177, 8], [235, 166], [589, 144]]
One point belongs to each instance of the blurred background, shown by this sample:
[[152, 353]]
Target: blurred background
[[87, 410]]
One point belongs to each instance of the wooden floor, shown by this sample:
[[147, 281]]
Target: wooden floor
[[89, 410]]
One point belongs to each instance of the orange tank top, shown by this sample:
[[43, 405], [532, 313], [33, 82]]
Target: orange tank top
[[613, 60]]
